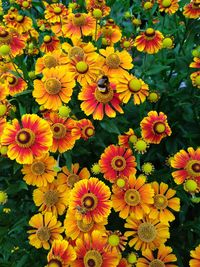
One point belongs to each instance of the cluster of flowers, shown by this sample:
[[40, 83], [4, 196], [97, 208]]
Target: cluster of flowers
[[65, 63]]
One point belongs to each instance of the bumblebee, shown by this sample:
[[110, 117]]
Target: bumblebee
[[81, 210], [103, 84]]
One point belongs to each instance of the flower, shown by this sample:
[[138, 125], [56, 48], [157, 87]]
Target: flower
[[54, 88], [15, 84], [192, 10], [150, 41], [49, 44], [195, 254], [135, 197], [155, 127], [40, 172], [164, 202], [195, 77], [164, 258], [146, 233], [168, 6], [116, 241], [55, 12], [129, 86], [61, 254], [84, 129], [126, 138], [90, 200], [22, 24], [111, 33], [30, 139], [99, 101], [91, 252], [117, 161], [195, 63], [188, 163], [47, 229]]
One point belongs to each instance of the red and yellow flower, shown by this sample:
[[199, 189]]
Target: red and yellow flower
[[84, 129], [54, 88], [127, 138], [15, 84], [149, 41], [195, 63], [116, 242], [91, 200], [50, 43], [168, 6], [117, 161], [111, 33], [155, 127], [192, 10], [55, 12], [195, 254], [195, 77], [32, 138]]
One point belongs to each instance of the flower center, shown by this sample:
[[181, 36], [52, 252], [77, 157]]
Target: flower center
[[132, 197], [76, 52], [159, 127], [126, 44], [150, 32], [20, 18], [156, 263], [92, 259], [134, 85], [160, 201], [54, 263], [50, 62], [113, 61], [118, 163], [88, 131], [193, 167], [38, 168], [85, 227], [25, 138], [79, 20], [43, 233], [197, 80], [59, 130], [147, 232], [47, 39], [114, 240], [166, 3], [195, 5], [57, 10], [72, 179], [51, 198], [82, 67], [89, 201], [4, 37], [53, 86], [104, 96], [12, 81]]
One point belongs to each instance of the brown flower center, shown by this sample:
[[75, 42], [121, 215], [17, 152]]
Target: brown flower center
[[118, 163], [12, 81], [160, 201], [147, 232], [51, 198], [50, 62], [104, 96], [150, 33], [72, 179], [92, 259], [25, 138], [76, 52], [156, 263], [88, 131], [59, 130], [4, 37], [79, 20], [85, 227], [89, 201], [193, 168], [43, 233], [159, 127], [132, 197], [113, 61], [53, 86], [54, 263], [38, 168]]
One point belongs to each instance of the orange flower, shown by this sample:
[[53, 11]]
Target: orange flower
[[47, 229], [40, 172], [164, 201], [49, 44], [90, 200], [30, 140], [15, 84], [99, 5], [4, 91], [130, 86], [155, 127], [116, 242], [55, 12], [54, 88], [149, 41], [111, 33], [195, 77], [195, 63], [115, 62], [168, 6], [99, 99], [126, 138], [83, 129], [91, 252], [188, 163], [164, 258], [135, 197], [79, 24], [23, 24], [195, 254], [117, 161], [192, 10], [61, 254], [146, 233]]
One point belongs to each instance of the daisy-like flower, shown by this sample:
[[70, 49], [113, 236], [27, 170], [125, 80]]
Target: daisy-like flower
[[135, 197], [49, 44], [155, 127], [53, 197], [84, 129], [117, 161], [47, 229], [62, 254], [54, 88], [188, 163], [146, 233], [40, 172], [62, 132], [115, 62], [32, 138], [91, 252], [116, 242], [79, 24], [149, 41], [162, 258], [78, 228], [100, 98], [111, 33], [90, 200], [15, 84], [168, 6], [127, 138], [55, 12], [23, 24], [195, 77], [195, 63], [129, 86], [72, 176], [192, 10], [195, 254], [50, 60], [164, 202], [92, 5]]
